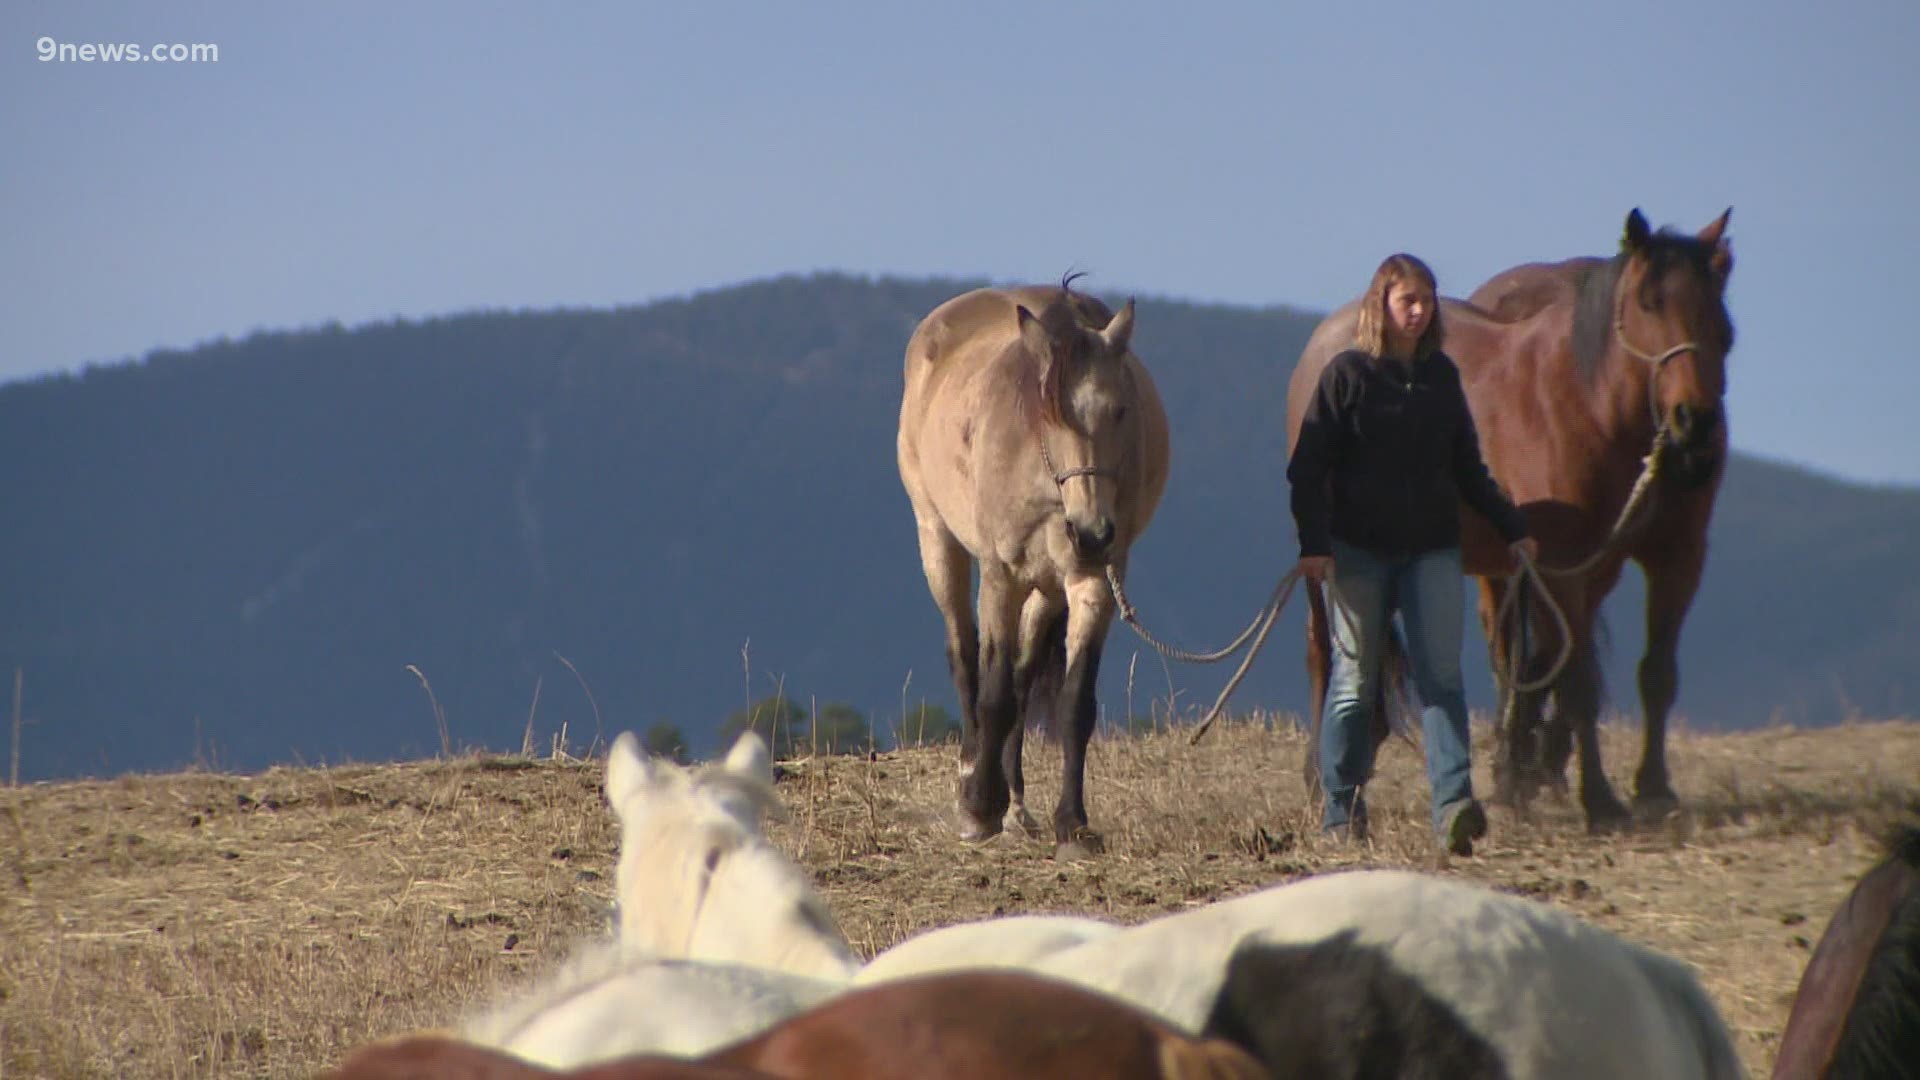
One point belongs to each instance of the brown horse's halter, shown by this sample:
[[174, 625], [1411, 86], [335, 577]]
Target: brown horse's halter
[[1658, 361]]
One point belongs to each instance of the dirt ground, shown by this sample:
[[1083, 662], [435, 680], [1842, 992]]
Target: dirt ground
[[213, 925]]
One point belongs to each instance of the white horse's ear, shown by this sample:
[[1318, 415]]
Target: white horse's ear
[[749, 757], [1119, 332], [628, 769]]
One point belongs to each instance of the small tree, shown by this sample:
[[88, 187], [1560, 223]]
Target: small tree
[[839, 729], [666, 740], [928, 725], [780, 721]]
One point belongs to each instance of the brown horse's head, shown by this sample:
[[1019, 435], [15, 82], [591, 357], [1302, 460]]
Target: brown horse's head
[[1087, 429], [1669, 312]]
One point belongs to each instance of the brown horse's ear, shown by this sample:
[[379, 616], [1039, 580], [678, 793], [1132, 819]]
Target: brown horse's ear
[[1716, 236], [1638, 232], [1712, 233], [1119, 332]]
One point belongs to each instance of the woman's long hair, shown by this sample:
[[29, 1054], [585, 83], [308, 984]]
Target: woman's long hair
[[1370, 332]]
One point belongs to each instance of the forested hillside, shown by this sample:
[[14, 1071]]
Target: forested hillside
[[235, 553]]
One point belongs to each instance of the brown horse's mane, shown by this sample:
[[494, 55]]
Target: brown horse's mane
[[1594, 303], [1882, 1032]]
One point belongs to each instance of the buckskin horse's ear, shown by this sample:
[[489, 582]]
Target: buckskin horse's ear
[[1637, 233], [1716, 235], [1034, 335], [1120, 331]]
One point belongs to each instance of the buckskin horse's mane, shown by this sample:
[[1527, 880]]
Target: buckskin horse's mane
[[1594, 304], [1882, 1032], [1065, 320]]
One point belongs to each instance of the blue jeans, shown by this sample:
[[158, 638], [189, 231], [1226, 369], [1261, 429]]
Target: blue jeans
[[1429, 592]]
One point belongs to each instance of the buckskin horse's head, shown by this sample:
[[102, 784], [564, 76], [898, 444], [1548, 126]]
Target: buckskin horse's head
[[1670, 312], [1088, 429]]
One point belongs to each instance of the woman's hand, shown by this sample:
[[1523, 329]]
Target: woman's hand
[[1316, 567]]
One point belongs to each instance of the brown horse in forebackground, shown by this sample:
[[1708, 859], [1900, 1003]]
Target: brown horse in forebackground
[[1032, 443], [1579, 374], [1856, 1010], [957, 1025]]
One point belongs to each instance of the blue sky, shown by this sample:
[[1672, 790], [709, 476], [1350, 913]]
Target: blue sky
[[357, 161]]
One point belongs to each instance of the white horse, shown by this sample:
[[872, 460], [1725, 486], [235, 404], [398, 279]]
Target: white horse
[[1362, 973], [719, 934], [1011, 941], [606, 1004], [698, 878], [1521, 983], [1321, 968]]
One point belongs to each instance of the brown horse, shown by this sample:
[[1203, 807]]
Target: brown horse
[[438, 1056], [1579, 375], [1856, 1011], [1032, 443], [961, 1025], [990, 1025]]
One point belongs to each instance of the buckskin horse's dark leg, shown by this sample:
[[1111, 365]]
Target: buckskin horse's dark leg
[[983, 788], [1079, 708], [1036, 683], [1089, 612]]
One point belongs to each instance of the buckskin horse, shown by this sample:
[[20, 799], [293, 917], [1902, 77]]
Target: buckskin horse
[[1033, 443], [1596, 386]]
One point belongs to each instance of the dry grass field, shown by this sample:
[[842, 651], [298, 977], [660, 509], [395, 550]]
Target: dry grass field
[[213, 925]]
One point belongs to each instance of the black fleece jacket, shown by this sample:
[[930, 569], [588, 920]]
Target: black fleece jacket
[[1386, 453]]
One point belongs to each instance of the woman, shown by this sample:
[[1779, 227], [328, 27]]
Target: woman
[[1387, 450]]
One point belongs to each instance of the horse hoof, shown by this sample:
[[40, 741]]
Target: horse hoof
[[974, 832], [1072, 851], [1655, 805], [1608, 817], [1024, 821], [1084, 843], [1510, 796]]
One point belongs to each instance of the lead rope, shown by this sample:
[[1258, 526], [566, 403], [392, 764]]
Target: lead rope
[[1252, 638]]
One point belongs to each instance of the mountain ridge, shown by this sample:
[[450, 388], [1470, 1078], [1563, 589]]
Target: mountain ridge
[[243, 545]]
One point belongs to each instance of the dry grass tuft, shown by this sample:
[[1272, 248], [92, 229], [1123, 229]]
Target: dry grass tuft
[[203, 925]]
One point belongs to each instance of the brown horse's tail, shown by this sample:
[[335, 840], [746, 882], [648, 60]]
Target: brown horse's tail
[[1393, 708], [1037, 707]]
